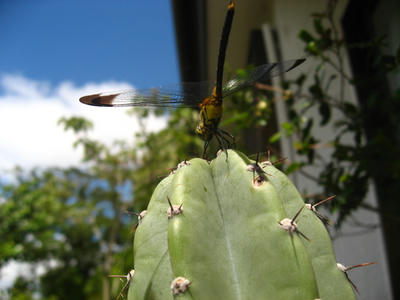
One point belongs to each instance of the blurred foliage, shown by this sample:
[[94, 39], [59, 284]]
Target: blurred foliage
[[357, 156], [21, 290], [78, 222], [74, 221]]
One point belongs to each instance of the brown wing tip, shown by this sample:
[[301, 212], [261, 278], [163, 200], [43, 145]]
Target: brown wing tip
[[97, 100]]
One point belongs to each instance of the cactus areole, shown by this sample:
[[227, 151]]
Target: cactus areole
[[212, 232]]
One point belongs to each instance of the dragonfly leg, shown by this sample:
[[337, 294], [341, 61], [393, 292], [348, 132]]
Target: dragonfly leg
[[221, 140], [224, 143], [233, 141], [205, 148]]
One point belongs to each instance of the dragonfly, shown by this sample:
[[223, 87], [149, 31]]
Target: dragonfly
[[206, 96]]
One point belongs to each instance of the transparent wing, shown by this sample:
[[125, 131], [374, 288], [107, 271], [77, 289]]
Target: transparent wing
[[259, 73], [187, 94]]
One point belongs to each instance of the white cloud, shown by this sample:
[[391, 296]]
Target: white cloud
[[13, 269], [29, 111]]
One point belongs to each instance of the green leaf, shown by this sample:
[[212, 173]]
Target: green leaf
[[306, 36], [325, 111], [344, 177], [76, 124], [288, 128], [307, 129], [312, 48], [275, 137], [318, 26]]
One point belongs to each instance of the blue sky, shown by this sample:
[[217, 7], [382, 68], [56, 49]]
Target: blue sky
[[53, 52], [85, 41]]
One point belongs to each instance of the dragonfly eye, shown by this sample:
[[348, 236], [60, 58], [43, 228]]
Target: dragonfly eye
[[200, 130], [205, 133]]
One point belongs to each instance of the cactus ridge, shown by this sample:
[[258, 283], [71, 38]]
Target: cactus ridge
[[228, 240]]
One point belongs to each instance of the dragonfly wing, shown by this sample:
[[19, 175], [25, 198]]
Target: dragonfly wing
[[275, 69], [187, 94], [260, 73], [179, 95]]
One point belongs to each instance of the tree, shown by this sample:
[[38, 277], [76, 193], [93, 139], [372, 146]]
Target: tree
[[77, 220]]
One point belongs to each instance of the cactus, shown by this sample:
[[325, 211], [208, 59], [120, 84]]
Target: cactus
[[233, 229]]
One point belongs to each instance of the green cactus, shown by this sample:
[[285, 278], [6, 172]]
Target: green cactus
[[229, 233]]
